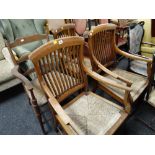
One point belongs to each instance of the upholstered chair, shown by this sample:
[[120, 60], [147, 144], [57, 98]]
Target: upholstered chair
[[7, 79], [139, 44], [136, 33], [62, 74], [54, 24], [148, 42], [13, 29]]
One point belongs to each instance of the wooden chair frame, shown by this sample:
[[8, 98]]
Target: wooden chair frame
[[68, 29], [98, 66], [24, 76], [65, 121], [64, 31], [22, 41]]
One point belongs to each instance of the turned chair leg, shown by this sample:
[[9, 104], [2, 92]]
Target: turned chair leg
[[37, 111], [38, 114], [41, 123], [55, 122]]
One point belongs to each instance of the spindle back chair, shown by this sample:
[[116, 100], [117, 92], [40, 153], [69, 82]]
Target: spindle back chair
[[61, 72], [103, 51]]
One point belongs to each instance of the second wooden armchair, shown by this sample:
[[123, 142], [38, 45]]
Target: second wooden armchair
[[103, 52], [61, 73]]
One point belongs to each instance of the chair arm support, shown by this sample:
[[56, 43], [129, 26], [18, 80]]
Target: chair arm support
[[132, 56], [63, 116], [60, 112], [23, 58], [58, 109], [55, 104], [106, 70], [16, 73], [105, 80]]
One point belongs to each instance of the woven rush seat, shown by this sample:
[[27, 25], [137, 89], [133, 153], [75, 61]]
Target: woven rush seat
[[94, 114], [139, 83]]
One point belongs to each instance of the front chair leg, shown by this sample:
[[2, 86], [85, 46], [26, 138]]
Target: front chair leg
[[38, 114], [55, 122], [37, 111]]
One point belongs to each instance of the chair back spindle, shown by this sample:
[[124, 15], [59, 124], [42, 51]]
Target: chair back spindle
[[58, 66], [102, 43]]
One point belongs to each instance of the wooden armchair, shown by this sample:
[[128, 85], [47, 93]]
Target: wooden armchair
[[61, 73], [36, 96], [103, 52], [78, 28], [64, 31]]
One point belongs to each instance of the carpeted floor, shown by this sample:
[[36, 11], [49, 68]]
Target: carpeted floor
[[17, 117]]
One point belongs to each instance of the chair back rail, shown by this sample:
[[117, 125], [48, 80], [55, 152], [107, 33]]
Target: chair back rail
[[101, 43], [28, 39], [58, 66], [65, 31]]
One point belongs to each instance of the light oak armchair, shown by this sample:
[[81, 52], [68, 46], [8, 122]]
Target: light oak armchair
[[64, 31], [103, 51], [61, 73]]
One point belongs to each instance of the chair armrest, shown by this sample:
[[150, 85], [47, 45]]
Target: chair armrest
[[133, 56], [148, 43], [60, 112], [8, 56], [15, 72], [105, 80], [55, 104], [106, 70]]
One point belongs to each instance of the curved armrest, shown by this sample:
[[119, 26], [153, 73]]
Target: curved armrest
[[55, 104], [106, 70], [132, 56], [105, 80], [15, 72], [60, 111]]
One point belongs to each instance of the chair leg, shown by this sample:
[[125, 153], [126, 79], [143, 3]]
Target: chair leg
[[95, 86], [55, 122], [37, 111], [29, 101], [41, 123], [38, 114]]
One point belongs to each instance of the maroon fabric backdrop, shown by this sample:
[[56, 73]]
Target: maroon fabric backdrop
[[153, 27]]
